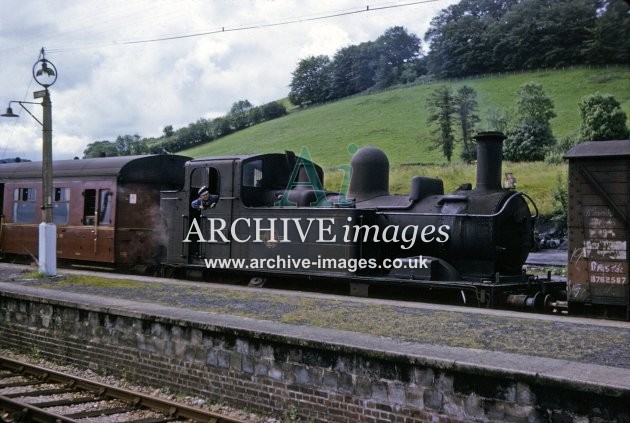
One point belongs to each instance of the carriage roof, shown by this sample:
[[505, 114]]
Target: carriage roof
[[148, 168]]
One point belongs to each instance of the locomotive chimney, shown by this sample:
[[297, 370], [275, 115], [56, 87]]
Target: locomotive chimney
[[489, 160]]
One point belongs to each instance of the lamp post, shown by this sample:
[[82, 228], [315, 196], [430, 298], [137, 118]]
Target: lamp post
[[45, 74]]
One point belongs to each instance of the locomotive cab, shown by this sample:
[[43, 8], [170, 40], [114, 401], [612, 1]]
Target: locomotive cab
[[251, 188]]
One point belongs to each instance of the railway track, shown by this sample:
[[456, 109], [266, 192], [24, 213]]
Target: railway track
[[31, 393]]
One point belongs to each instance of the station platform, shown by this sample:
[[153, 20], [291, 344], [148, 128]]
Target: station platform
[[586, 355]]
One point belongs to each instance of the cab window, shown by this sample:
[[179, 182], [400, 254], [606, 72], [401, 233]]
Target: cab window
[[204, 177]]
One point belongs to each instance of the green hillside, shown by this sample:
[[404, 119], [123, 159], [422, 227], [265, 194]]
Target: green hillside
[[395, 121]]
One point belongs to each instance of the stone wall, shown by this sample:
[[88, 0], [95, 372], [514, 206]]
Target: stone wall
[[273, 374]]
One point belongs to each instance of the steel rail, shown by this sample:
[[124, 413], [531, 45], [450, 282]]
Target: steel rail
[[172, 410]]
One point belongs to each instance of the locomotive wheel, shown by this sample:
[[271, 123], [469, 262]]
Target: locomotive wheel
[[257, 282]]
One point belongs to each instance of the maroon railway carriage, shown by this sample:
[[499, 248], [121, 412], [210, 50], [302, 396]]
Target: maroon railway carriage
[[107, 210]]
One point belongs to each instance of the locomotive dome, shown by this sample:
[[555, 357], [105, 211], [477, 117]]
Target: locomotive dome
[[370, 174]]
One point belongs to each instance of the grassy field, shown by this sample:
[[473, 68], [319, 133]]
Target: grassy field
[[395, 121]]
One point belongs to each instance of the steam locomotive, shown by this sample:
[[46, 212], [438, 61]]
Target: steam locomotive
[[273, 218]]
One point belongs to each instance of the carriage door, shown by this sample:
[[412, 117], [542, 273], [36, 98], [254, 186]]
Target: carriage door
[[97, 243], [217, 176]]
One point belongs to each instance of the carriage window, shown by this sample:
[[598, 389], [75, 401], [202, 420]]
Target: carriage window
[[61, 206], [89, 206], [105, 207], [24, 205], [252, 173]]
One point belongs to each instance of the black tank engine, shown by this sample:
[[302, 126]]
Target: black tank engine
[[272, 209]]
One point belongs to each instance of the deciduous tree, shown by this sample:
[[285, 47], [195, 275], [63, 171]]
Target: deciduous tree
[[311, 81], [609, 38], [100, 149], [602, 118], [130, 145], [532, 134], [533, 104]]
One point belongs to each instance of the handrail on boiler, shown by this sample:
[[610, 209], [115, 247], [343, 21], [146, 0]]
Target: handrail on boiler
[[382, 210]]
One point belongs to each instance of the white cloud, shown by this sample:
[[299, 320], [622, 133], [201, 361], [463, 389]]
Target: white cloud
[[106, 88], [324, 39]]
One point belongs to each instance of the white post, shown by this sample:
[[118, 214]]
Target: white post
[[48, 249], [47, 229]]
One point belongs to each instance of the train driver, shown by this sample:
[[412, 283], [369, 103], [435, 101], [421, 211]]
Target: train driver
[[205, 200]]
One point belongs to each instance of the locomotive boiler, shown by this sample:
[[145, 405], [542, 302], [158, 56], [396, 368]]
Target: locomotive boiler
[[490, 228]]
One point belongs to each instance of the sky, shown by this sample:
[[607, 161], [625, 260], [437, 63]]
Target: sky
[[130, 67]]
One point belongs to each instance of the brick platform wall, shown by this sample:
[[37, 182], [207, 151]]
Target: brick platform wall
[[271, 375]]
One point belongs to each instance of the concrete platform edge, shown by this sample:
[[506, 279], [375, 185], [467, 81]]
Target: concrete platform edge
[[610, 381]]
